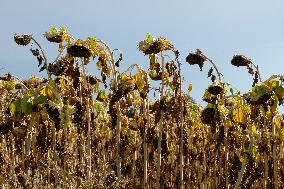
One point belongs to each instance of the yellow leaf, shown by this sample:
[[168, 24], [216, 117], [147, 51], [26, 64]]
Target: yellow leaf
[[240, 114], [99, 64], [189, 88], [254, 129], [46, 92]]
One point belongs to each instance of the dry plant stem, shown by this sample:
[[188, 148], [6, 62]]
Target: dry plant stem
[[44, 57], [215, 67], [244, 164], [257, 70], [275, 179], [89, 140], [226, 154], [160, 128], [181, 127], [145, 159], [22, 85], [81, 135], [29, 137], [111, 58], [265, 155], [60, 54], [118, 125]]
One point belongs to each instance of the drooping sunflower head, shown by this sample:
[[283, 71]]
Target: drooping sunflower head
[[196, 58], [24, 39], [240, 60]]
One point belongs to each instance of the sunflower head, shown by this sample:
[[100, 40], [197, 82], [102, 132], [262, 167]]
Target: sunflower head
[[240, 60], [154, 46], [24, 39], [196, 58]]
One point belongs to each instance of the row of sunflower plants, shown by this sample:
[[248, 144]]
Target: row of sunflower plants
[[75, 129]]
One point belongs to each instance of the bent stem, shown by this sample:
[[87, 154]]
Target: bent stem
[[118, 122], [44, 57], [215, 67], [257, 70]]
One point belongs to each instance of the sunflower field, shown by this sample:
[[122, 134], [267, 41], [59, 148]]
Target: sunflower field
[[74, 129]]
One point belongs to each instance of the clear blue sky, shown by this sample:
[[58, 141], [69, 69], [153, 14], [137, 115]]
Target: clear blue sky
[[220, 28]]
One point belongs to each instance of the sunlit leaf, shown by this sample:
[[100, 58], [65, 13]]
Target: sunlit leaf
[[149, 37], [10, 85], [189, 88]]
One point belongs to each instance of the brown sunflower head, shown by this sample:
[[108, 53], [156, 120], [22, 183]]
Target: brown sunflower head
[[240, 60], [207, 115], [196, 58], [155, 46], [79, 50], [93, 80], [215, 89], [260, 100], [24, 39], [55, 38]]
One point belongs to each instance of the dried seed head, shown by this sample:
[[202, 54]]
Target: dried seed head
[[207, 115], [155, 46], [240, 60], [54, 39], [196, 58], [79, 50], [261, 100], [215, 89], [24, 39], [93, 80]]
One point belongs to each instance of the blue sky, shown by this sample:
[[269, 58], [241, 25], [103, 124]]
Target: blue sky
[[220, 28]]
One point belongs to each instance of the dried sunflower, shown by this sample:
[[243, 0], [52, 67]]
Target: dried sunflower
[[208, 115], [196, 58], [208, 97], [79, 50], [216, 89], [259, 95], [154, 46], [24, 39], [57, 35], [240, 60]]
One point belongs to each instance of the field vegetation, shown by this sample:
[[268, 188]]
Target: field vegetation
[[74, 129]]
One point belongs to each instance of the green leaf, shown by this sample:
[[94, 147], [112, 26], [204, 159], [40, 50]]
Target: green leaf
[[40, 100], [97, 107], [26, 105], [231, 90], [15, 109], [12, 108], [53, 31], [149, 37], [275, 83], [10, 85], [189, 88]]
